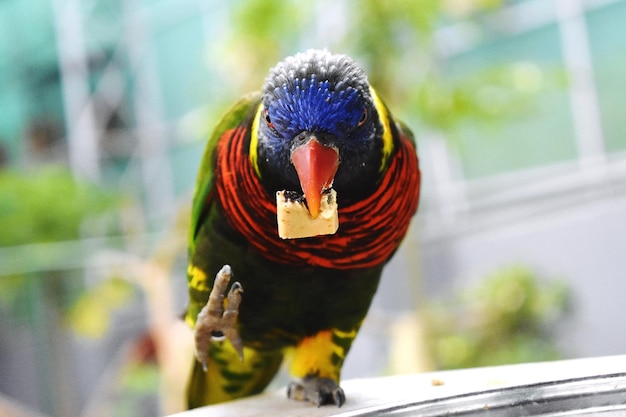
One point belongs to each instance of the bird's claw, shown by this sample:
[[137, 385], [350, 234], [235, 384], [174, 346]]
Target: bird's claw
[[318, 391], [215, 322]]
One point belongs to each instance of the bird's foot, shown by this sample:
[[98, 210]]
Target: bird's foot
[[318, 391], [215, 322]]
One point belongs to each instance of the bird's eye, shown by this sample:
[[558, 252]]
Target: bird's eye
[[268, 120], [363, 118]]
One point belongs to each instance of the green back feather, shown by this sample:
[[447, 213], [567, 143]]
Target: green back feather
[[206, 175]]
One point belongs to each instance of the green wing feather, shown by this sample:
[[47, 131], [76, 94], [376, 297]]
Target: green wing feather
[[226, 377], [206, 177]]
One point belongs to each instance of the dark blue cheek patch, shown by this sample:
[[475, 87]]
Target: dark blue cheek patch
[[311, 105]]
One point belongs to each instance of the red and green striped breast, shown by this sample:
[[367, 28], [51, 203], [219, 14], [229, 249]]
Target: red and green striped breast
[[369, 232]]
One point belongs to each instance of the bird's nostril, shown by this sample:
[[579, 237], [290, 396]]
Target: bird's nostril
[[302, 137]]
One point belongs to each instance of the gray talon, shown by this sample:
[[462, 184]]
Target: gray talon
[[214, 322], [319, 391]]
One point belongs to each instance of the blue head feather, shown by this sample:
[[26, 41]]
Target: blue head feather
[[323, 94], [311, 105]]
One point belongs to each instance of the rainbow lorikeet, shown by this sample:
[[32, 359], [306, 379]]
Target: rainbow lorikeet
[[316, 124]]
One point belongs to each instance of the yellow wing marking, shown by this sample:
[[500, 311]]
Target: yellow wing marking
[[254, 140], [383, 114], [198, 279]]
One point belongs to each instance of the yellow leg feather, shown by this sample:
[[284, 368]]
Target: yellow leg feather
[[322, 354]]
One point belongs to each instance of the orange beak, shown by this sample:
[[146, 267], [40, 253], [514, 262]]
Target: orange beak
[[316, 166]]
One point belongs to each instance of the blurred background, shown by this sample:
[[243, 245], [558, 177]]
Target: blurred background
[[516, 254]]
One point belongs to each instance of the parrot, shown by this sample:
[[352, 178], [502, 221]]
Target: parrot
[[316, 124]]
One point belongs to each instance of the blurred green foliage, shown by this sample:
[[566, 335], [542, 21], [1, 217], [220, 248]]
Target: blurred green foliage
[[491, 96], [509, 317], [49, 205], [41, 207]]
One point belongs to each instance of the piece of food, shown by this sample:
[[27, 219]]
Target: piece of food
[[295, 221]]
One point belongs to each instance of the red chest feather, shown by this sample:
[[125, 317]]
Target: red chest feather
[[369, 230]]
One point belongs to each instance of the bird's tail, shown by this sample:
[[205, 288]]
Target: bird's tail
[[227, 377]]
